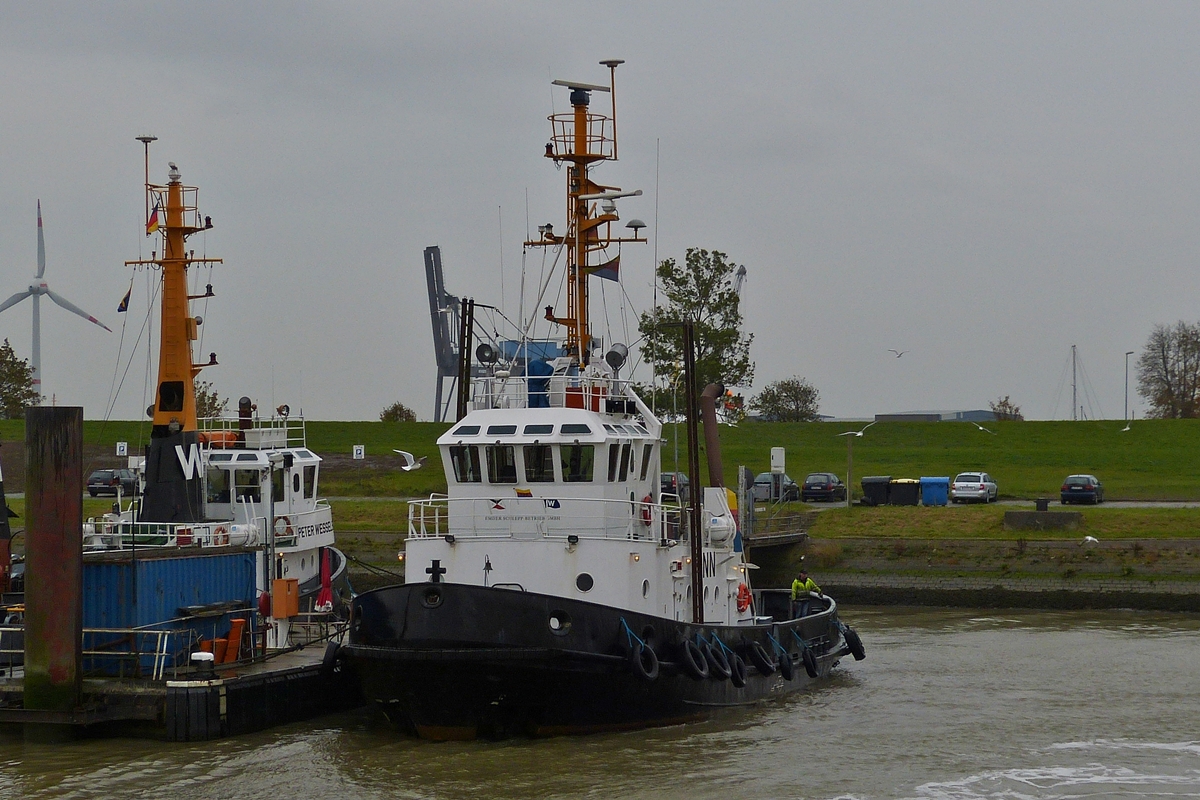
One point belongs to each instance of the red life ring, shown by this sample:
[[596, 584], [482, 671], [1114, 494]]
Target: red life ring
[[220, 536], [744, 598], [287, 527], [647, 513]]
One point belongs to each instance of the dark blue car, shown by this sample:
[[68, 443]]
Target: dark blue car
[[1082, 489]]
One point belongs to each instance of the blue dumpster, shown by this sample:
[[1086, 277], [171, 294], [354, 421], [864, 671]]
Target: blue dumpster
[[935, 491]]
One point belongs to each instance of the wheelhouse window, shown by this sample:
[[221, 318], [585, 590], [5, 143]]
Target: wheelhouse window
[[614, 456], [218, 485], [246, 485], [277, 485], [624, 461], [501, 463], [647, 450], [465, 461], [578, 461], [539, 463], [310, 481]]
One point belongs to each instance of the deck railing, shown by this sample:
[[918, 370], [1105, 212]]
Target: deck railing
[[529, 517]]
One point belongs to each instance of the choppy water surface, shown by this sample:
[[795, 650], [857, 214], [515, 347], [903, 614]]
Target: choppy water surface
[[949, 704]]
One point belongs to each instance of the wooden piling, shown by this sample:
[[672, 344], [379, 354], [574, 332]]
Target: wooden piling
[[53, 557]]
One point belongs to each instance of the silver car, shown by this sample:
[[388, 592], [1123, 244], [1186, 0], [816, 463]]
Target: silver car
[[978, 486]]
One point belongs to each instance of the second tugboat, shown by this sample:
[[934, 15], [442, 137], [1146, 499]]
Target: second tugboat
[[553, 590]]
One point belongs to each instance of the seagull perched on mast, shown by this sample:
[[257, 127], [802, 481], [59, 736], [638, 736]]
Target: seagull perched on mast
[[897, 352], [410, 463], [858, 433]]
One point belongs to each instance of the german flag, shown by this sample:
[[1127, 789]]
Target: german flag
[[152, 223]]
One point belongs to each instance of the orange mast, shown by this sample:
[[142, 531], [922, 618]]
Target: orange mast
[[174, 408], [582, 139]]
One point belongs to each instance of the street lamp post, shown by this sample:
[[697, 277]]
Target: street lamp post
[[850, 458], [1128, 353]]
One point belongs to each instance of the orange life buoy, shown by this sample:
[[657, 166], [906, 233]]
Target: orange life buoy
[[287, 527], [220, 535], [744, 598], [647, 514]]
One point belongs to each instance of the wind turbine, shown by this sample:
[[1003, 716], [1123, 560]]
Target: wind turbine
[[36, 289]]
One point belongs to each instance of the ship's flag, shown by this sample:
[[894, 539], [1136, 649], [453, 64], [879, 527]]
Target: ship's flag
[[552, 504], [152, 223], [524, 493], [608, 270], [123, 306]]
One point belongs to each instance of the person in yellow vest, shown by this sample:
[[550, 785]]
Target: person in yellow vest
[[800, 589]]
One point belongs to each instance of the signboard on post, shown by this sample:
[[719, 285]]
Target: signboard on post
[[360, 452], [122, 449], [777, 460]]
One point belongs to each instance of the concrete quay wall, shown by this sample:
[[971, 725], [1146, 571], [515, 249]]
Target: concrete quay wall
[[1014, 592]]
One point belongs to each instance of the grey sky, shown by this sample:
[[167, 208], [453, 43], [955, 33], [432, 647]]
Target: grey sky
[[982, 184]]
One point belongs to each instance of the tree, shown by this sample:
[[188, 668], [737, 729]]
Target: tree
[[1168, 371], [701, 289], [16, 384], [1006, 410], [397, 412], [208, 402], [790, 400]]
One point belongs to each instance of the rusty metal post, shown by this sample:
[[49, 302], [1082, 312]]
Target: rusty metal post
[[53, 557]]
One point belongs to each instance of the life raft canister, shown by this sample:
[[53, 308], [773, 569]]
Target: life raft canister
[[744, 598]]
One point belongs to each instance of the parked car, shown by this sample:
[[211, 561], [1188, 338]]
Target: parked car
[[823, 486], [1082, 489], [977, 486], [766, 489], [107, 481], [674, 484]]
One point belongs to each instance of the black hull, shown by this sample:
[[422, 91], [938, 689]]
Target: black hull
[[449, 661]]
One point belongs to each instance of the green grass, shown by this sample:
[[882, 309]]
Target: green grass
[[1153, 461], [986, 522]]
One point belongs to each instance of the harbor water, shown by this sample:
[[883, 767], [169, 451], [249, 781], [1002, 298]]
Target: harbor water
[[948, 704]]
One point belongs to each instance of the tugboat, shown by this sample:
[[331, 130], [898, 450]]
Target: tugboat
[[554, 590], [229, 518]]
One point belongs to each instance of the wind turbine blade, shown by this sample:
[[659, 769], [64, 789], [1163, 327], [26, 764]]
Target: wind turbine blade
[[41, 244], [74, 309], [12, 301]]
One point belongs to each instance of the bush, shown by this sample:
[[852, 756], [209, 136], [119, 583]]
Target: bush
[[397, 412]]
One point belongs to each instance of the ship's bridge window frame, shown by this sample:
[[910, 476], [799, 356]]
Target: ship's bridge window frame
[[217, 482], [464, 460], [538, 430], [577, 461], [247, 485], [502, 430], [466, 430], [575, 429], [538, 461], [501, 463]]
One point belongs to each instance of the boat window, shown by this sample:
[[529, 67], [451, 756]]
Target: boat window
[[574, 428], [296, 483], [578, 461], [624, 461], [614, 453], [646, 451], [641, 430], [538, 430], [277, 485], [610, 428], [465, 460], [218, 485], [310, 481], [466, 430], [502, 463], [246, 485], [539, 463], [247, 457], [221, 457], [304, 454], [501, 430]]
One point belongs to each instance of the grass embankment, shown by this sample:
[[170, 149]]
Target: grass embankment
[[1152, 461]]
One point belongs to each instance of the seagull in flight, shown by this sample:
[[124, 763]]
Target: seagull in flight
[[897, 352], [857, 433], [985, 430], [410, 463]]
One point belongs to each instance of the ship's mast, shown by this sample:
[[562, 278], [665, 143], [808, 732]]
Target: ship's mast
[[174, 214], [581, 139]]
